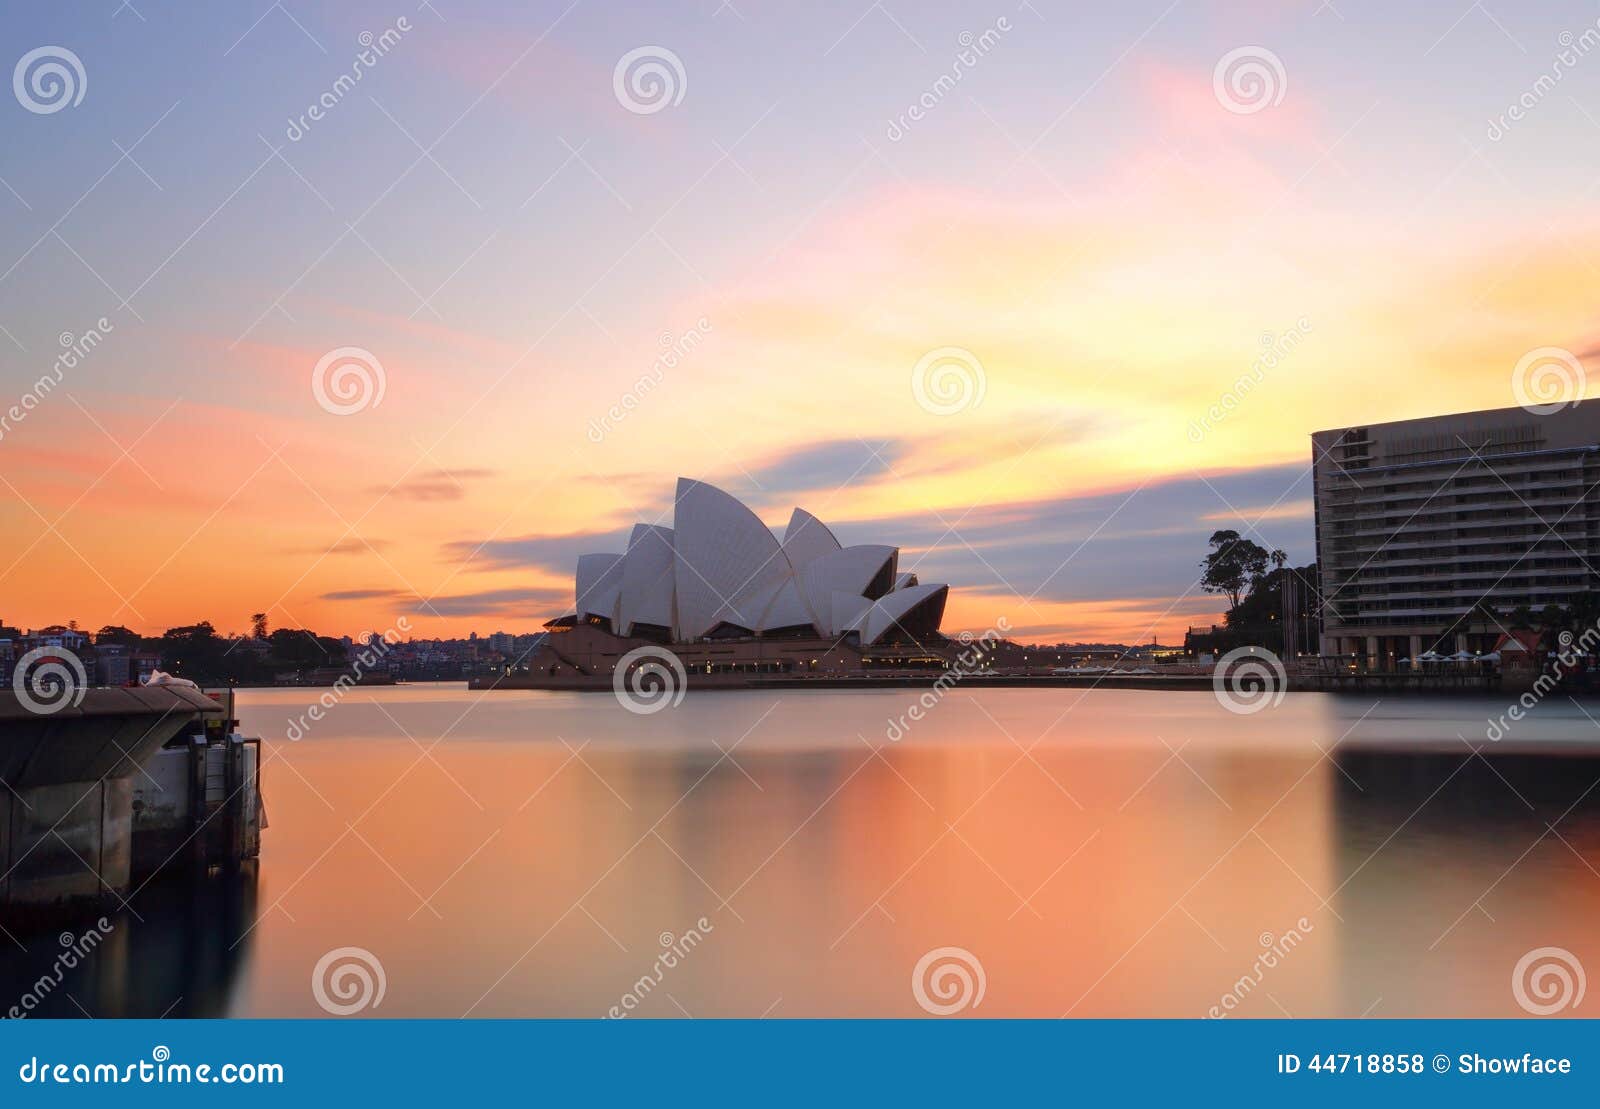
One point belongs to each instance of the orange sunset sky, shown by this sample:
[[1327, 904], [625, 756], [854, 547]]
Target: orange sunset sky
[[515, 246]]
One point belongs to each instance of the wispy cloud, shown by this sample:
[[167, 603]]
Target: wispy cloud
[[555, 553], [825, 465], [1128, 542], [436, 485], [526, 603], [351, 545]]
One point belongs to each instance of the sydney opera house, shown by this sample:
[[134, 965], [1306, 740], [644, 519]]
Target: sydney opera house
[[731, 600]]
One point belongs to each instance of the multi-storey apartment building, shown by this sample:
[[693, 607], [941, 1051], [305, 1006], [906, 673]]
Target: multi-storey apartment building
[[1419, 520]]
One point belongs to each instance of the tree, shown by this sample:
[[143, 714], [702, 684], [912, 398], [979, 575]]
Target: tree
[[1233, 564], [1261, 619], [194, 651], [300, 649], [116, 633], [258, 625], [1583, 613]]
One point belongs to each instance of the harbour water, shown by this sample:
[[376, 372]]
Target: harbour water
[[1101, 853]]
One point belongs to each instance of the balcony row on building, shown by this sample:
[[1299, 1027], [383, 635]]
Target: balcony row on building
[[1427, 528]]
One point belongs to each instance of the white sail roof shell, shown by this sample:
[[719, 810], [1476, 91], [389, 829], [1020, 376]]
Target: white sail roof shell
[[599, 585], [721, 564], [893, 607], [787, 609], [849, 570], [807, 538], [647, 569], [846, 611], [725, 559], [745, 610]]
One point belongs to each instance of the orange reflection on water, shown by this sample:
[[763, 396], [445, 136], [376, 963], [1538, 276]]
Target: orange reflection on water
[[1116, 854]]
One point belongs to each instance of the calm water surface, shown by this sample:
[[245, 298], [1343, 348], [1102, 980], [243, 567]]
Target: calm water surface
[[1110, 853]]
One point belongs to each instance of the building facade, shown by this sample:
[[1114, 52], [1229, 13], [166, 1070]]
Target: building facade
[[1421, 523]]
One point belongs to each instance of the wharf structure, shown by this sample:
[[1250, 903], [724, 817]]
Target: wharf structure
[[115, 786], [1421, 522]]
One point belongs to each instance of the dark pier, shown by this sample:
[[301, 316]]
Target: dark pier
[[95, 797]]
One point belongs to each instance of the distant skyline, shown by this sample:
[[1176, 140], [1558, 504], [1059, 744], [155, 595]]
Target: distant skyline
[[578, 290]]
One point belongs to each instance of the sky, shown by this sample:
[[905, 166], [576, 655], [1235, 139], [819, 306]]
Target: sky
[[1042, 294]]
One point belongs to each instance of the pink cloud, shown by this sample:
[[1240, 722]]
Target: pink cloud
[[1187, 110]]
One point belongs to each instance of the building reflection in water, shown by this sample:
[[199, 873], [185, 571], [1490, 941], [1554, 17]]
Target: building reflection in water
[[1137, 860], [1452, 867], [175, 951]]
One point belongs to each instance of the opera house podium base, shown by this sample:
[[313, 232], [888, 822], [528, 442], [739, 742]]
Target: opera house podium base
[[588, 657]]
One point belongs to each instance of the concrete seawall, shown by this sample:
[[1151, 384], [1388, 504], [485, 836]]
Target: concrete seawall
[[66, 812], [1474, 682], [602, 683]]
